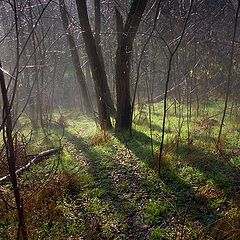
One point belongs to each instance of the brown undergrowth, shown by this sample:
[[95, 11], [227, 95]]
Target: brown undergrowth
[[228, 227]]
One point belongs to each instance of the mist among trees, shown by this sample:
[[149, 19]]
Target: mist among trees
[[120, 119]]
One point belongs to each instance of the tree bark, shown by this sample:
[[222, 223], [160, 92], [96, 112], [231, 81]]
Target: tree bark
[[11, 157], [97, 12], [41, 156], [98, 72], [126, 37]]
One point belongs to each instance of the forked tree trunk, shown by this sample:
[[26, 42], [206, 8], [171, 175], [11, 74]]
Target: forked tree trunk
[[126, 35]]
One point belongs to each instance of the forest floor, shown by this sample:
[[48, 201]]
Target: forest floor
[[104, 185]]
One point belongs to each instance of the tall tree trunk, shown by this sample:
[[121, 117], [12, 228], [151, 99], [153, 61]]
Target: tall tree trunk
[[97, 11], [98, 72], [38, 100], [126, 37], [76, 61]]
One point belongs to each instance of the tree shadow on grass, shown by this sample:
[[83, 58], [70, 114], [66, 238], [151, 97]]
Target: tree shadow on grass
[[139, 145], [224, 175], [117, 184], [197, 208], [123, 189], [221, 172]]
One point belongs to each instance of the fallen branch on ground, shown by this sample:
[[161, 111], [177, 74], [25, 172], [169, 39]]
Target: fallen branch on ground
[[41, 156]]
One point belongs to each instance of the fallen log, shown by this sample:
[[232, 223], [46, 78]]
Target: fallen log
[[40, 157]]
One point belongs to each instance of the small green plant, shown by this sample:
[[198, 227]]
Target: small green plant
[[156, 211], [157, 234]]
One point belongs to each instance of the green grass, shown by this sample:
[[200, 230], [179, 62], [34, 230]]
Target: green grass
[[105, 185]]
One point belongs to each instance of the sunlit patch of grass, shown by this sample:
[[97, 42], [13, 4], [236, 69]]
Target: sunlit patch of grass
[[96, 206], [191, 175], [99, 138], [105, 180], [157, 234], [236, 161], [156, 210]]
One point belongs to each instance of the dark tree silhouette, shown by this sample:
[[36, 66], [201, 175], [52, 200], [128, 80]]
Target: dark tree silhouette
[[104, 100], [123, 56]]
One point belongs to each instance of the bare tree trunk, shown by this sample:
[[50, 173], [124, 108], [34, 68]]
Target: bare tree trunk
[[97, 10], [11, 157], [98, 73], [38, 102], [126, 35], [172, 53], [76, 61]]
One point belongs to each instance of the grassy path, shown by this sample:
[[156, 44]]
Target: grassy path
[[115, 194], [120, 197], [105, 187]]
